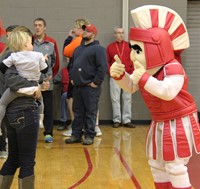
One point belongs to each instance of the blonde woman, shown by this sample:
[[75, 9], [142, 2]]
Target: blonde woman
[[22, 115], [28, 63]]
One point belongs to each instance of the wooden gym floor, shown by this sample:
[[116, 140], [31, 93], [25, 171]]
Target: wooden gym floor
[[116, 160]]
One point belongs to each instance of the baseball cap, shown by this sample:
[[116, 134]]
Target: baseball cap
[[2, 30], [90, 28]]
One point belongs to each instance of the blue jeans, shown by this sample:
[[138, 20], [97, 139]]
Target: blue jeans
[[63, 106], [22, 127], [85, 106]]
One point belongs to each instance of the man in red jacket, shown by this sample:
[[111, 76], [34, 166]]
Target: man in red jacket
[[2, 32], [2, 47], [121, 48]]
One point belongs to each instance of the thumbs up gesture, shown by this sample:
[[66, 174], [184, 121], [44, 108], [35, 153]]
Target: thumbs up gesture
[[117, 69]]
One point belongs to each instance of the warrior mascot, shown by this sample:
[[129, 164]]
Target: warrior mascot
[[156, 41]]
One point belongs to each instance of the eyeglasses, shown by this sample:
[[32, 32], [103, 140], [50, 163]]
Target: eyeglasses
[[85, 29]]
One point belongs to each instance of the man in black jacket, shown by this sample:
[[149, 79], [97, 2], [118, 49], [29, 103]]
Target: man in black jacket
[[88, 71]]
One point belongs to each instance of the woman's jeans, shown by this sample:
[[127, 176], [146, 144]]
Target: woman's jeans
[[22, 127]]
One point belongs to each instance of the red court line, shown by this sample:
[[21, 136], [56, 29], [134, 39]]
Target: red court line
[[89, 170], [134, 180]]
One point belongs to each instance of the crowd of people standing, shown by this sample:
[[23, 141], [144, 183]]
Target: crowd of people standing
[[32, 97]]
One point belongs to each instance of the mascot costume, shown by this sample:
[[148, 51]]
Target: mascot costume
[[156, 41]]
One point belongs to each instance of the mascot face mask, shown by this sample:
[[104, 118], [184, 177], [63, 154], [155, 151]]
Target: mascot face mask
[[138, 52]]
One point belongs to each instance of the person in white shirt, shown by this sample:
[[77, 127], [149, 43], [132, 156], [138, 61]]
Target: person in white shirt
[[28, 63]]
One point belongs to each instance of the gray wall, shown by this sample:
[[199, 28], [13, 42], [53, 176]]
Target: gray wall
[[60, 16], [192, 55]]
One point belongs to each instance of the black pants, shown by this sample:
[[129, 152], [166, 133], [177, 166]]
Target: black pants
[[3, 136], [85, 106], [48, 112]]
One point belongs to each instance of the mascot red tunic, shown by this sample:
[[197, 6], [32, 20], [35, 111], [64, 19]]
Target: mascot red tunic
[[156, 41]]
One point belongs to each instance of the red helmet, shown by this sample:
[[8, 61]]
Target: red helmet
[[163, 32]]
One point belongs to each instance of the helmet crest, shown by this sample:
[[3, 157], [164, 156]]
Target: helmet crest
[[163, 32], [155, 16]]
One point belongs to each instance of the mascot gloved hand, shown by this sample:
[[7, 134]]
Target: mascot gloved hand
[[117, 69], [138, 72]]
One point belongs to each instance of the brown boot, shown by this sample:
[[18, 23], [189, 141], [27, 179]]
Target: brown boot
[[27, 182], [6, 181]]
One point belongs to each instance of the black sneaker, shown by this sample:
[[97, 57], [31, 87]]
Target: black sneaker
[[88, 141], [73, 139], [129, 125]]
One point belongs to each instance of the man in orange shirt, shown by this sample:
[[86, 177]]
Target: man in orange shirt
[[73, 40]]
